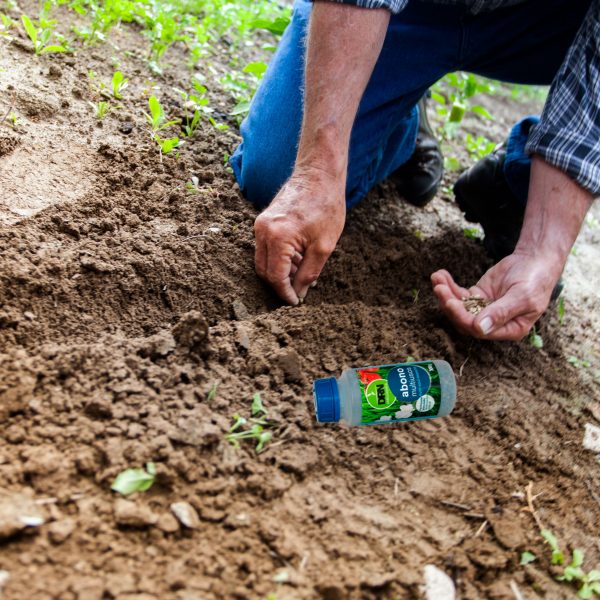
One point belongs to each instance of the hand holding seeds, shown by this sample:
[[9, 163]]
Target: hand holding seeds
[[505, 303]]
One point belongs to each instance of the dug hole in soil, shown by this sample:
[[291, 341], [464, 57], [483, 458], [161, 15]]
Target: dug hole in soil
[[127, 295]]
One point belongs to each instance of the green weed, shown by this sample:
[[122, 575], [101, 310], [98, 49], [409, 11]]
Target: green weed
[[158, 121], [254, 428], [579, 363], [588, 584], [119, 82], [101, 108], [42, 35], [535, 339], [473, 233]]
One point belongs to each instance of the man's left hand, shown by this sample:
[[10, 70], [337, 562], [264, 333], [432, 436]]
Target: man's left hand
[[519, 288]]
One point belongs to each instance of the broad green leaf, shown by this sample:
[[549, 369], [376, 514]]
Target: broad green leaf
[[134, 480], [593, 575], [155, 109], [277, 26], [457, 113], [256, 68], [30, 29], [527, 557], [169, 145]]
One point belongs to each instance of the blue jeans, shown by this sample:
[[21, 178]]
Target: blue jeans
[[525, 43]]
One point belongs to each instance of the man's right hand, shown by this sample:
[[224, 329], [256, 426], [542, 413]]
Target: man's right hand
[[298, 232]]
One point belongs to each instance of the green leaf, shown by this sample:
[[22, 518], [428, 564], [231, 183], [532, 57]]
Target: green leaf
[[256, 68], [586, 592], [451, 163], [593, 575], [535, 340], [438, 98], [155, 110], [276, 26], [169, 145], [56, 49], [561, 310], [527, 557], [30, 29], [134, 480], [578, 556], [212, 393], [558, 558], [482, 112], [457, 113], [241, 108], [257, 405]]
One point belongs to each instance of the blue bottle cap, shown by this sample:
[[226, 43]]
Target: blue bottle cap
[[327, 400]]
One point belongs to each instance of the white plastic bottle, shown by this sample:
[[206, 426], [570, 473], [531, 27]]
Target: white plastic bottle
[[387, 393]]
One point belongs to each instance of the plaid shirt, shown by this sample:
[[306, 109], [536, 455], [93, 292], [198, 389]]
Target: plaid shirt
[[568, 134]]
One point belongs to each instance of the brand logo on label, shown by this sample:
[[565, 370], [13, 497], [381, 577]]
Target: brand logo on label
[[408, 383], [378, 394]]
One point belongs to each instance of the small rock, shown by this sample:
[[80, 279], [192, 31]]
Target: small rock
[[167, 523], [29, 315], [4, 577], [438, 586], [60, 531], [16, 513], [591, 438], [240, 311], [186, 514], [131, 514]]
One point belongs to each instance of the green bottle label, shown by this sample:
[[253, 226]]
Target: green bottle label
[[403, 392]]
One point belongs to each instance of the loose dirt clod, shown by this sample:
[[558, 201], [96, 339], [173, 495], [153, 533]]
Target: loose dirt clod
[[475, 304], [18, 512]]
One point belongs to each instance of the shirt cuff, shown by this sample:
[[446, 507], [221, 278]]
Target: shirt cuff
[[573, 153]]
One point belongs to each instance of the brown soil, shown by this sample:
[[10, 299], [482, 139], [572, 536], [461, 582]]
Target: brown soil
[[125, 297]]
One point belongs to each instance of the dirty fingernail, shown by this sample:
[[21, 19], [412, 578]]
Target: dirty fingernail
[[486, 325]]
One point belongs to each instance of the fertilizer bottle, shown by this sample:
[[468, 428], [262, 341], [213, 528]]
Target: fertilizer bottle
[[387, 394]]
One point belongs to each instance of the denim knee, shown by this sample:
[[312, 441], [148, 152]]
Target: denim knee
[[259, 171]]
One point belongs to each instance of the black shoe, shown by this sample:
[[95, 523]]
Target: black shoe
[[418, 179], [483, 195]]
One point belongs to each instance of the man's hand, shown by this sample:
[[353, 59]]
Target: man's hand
[[519, 288], [298, 231], [520, 285]]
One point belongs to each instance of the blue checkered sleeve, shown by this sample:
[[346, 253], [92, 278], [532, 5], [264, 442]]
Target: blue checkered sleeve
[[568, 134]]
